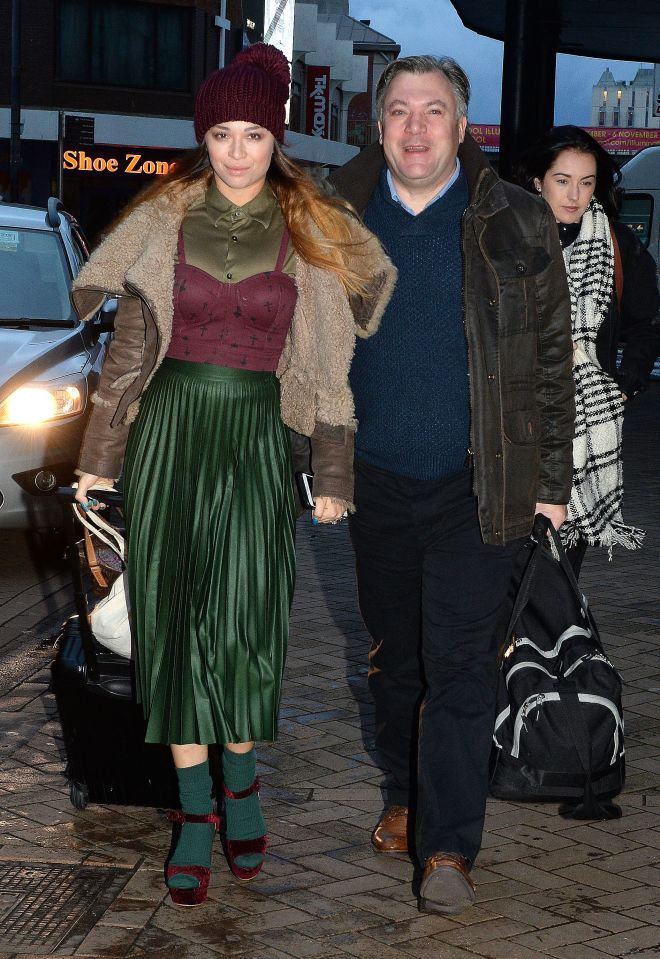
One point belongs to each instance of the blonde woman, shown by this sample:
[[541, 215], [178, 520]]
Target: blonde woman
[[242, 289]]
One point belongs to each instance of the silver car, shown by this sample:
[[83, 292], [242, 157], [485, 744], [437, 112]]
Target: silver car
[[49, 361]]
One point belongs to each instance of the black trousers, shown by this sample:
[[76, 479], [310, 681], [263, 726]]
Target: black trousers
[[431, 594]]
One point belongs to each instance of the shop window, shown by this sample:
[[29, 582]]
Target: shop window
[[128, 44]]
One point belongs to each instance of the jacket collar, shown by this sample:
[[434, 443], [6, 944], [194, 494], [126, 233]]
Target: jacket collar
[[139, 255], [357, 179]]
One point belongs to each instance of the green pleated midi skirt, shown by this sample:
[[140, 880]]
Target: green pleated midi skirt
[[210, 533]]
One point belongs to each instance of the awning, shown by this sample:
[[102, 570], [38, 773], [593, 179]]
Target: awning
[[606, 28]]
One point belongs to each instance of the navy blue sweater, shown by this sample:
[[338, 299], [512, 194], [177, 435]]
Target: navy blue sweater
[[410, 380]]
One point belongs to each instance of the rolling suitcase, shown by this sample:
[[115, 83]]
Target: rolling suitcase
[[107, 760]]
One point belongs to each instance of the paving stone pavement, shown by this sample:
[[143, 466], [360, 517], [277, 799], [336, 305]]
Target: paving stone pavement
[[547, 887]]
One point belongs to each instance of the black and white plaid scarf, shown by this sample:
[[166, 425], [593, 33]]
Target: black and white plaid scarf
[[594, 511]]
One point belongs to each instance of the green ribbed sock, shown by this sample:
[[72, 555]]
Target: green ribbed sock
[[244, 818], [196, 840]]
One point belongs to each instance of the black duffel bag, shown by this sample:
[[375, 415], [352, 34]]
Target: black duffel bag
[[559, 723]]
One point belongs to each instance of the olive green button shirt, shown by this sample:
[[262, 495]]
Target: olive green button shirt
[[233, 242]]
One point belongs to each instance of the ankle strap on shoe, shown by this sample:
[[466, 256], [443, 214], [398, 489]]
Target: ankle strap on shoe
[[244, 793], [177, 815]]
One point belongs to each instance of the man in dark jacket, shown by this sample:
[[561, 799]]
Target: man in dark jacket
[[464, 401]]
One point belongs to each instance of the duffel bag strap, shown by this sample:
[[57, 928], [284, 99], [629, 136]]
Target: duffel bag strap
[[544, 528], [522, 596], [589, 806]]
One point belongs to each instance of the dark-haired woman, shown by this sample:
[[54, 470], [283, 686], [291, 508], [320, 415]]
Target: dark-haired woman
[[242, 288], [614, 295]]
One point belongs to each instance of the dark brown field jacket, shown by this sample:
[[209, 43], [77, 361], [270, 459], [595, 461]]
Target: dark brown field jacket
[[518, 329]]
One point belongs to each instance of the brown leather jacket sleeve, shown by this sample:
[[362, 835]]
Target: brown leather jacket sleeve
[[332, 462], [103, 445]]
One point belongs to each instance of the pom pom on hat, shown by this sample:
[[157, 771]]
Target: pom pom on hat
[[268, 58], [254, 88]]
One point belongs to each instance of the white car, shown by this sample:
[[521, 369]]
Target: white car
[[49, 361]]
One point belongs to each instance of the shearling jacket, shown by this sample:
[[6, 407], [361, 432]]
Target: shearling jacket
[[518, 330], [136, 263]]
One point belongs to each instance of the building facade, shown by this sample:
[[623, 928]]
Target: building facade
[[106, 95], [624, 103], [107, 90], [342, 59]]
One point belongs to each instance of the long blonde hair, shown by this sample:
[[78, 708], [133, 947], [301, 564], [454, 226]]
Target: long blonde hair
[[300, 200]]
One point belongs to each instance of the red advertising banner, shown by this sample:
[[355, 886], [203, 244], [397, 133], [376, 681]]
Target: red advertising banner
[[613, 139], [317, 122], [488, 137], [625, 140]]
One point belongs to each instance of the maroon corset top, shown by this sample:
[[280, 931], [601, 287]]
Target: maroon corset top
[[240, 324]]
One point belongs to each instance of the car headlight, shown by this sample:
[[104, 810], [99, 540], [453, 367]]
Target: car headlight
[[39, 403]]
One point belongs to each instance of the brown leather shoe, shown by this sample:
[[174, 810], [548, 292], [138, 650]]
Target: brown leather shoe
[[391, 832], [446, 885]]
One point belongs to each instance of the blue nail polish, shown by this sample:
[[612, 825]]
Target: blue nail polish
[[315, 522]]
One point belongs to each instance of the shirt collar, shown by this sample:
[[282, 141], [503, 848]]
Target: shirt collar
[[261, 208], [448, 185]]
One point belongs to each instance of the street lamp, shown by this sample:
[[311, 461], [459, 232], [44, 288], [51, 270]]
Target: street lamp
[[15, 135], [224, 24]]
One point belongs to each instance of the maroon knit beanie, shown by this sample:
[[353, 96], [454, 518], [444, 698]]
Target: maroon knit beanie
[[254, 88]]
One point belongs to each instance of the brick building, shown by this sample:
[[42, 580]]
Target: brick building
[[107, 89], [118, 80]]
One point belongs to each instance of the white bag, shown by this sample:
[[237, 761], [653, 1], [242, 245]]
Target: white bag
[[110, 618]]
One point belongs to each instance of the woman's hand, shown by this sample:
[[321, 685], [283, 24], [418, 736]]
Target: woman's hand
[[84, 483], [328, 510]]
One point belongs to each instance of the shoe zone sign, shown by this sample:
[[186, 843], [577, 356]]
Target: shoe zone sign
[[318, 102]]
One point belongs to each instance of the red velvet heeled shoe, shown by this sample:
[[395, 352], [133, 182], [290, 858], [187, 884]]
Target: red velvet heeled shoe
[[198, 895], [234, 848]]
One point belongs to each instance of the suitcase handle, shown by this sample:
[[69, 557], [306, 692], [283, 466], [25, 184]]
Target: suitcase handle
[[111, 497]]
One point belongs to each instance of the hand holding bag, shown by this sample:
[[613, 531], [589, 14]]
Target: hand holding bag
[[110, 618]]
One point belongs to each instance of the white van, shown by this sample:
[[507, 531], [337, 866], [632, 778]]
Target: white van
[[640, 206]]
